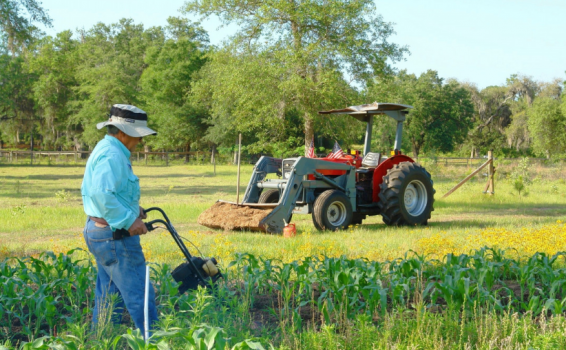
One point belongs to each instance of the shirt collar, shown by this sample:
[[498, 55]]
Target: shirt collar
[[118, 143]]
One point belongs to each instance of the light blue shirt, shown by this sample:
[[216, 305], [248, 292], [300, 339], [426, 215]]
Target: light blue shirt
[[110, 189]]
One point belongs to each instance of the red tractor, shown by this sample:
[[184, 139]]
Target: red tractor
[[336, 192]]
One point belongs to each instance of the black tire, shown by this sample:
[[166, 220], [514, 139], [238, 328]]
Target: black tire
[[406, 195], [269, 196], [332, 211]]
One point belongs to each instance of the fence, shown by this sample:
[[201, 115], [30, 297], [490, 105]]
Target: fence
[[203, 157], [80, 157]]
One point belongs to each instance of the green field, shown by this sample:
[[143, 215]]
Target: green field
[[369, 286], [42, 206]]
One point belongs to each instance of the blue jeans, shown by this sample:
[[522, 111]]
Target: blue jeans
[[121, 272]]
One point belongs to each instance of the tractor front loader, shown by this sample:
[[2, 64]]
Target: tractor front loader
[[336, 192]]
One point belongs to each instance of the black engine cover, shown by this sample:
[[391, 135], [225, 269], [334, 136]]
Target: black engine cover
[[187, 276]]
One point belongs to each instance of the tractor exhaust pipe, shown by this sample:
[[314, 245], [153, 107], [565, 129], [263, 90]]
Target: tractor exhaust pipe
[[398, 135], [367, 143]]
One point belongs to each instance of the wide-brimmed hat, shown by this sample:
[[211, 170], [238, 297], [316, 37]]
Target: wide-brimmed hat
[[130, 119]]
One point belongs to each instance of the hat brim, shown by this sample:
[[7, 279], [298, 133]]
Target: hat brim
[[130, 130]]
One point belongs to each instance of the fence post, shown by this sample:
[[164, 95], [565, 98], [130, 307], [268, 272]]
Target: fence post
[[491, 172], [16, 157], [166, 158], [75, 156], [11, 157], [145, 156], [138, 156]]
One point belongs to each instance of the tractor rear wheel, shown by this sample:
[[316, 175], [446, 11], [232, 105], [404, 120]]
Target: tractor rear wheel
[[406, 195], [269, 196], [332, 211]]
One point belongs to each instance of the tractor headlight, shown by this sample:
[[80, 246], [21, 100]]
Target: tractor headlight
[[287, 167]]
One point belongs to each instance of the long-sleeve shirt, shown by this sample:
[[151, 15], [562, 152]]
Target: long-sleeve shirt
[[110, 190]]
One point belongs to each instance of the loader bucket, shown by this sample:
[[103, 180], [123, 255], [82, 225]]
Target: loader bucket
[[232, 216]]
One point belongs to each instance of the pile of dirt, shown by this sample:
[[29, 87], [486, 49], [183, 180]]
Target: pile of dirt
[[233, 217]]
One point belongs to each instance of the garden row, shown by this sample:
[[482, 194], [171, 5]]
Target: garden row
[[49, 299]]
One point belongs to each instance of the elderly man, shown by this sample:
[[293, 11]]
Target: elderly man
[[111, 195]]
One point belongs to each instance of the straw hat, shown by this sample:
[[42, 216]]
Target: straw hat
[[130, 119]]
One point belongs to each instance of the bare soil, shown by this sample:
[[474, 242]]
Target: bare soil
[[232, 217]]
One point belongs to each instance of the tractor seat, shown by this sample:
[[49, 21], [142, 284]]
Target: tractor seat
[[371, 160]]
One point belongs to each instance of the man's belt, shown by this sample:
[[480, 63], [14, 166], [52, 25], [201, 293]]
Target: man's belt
[[118, 234], [99, 220]]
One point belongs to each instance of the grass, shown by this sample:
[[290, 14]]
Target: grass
[[42, 206], [409, 302]]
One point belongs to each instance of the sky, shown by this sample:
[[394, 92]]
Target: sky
[[478, 41]]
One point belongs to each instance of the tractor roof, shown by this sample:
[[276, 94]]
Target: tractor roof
[[362, 112]]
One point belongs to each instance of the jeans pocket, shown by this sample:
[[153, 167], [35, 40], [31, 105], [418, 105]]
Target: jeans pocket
[[104, 251], [98, 234], [131, 249]]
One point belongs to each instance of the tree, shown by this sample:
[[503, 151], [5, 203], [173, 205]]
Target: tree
[[55, 64], [17, 29], [306, 53], [441, 115], [500, 114], [546, 125], [16, 97], [166, 84], [111, 62]]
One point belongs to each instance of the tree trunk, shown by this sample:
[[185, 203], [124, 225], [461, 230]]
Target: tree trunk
[[309, 131], [416, 150], [187, 149]]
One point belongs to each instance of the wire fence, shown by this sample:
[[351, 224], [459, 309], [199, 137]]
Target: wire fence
[[204, 157]]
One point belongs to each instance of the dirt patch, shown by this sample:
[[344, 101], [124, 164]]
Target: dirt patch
[[267, 312], [232, 217], [513, 287]]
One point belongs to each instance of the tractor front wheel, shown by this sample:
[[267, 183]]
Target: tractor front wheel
[[332, 211], [269, 196], [406, 195]]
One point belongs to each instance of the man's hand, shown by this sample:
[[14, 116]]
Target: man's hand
[[143, 215], [137, 228]]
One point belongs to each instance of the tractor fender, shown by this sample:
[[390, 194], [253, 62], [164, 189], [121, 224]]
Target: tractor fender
[[381, 171]]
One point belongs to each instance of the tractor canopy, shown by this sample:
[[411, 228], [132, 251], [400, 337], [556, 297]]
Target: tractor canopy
[[363, 112], [366, 112]]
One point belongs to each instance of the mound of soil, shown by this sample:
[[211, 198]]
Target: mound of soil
[[233, 217]]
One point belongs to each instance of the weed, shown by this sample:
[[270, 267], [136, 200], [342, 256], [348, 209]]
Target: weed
[[519, 185], [63, 195], [19, 210], [523, 171]]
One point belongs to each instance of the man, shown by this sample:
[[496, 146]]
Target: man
[[111, 195]]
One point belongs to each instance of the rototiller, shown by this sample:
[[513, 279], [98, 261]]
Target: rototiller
[[196, 271]]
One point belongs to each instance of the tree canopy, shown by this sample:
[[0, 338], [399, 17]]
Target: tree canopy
[[441, 115], [17, 22], [285, 62], [294, 57]]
